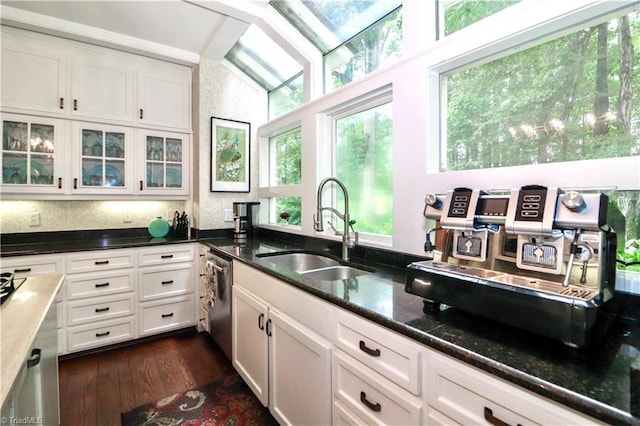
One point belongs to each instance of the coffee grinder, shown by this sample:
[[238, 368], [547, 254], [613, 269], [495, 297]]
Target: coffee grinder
[[243, 223]]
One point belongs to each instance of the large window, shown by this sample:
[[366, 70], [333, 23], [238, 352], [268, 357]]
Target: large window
[[364, 165], [457, 14], [285, 169], [567, 99]]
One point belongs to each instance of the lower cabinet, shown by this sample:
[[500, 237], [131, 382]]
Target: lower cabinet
[[286, 363]]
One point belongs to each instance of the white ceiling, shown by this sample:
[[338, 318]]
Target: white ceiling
[[181, 30]]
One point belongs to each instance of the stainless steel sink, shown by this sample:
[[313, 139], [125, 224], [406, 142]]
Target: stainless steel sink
[[334, 273], [300, 262]]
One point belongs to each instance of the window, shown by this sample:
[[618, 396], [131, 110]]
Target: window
[[285, 170], [458, 14], [368, 51], [286, 97], [564, 100], [356, 37], [363, 144]]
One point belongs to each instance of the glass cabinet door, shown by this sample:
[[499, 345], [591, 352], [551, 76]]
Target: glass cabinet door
[[103, 158], [164, 162], [29, 151]]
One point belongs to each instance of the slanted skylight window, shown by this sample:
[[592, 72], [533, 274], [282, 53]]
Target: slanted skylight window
[[258, 56]]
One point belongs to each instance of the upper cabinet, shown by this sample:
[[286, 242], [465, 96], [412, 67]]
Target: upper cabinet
[[102, 88], [49, 76], [164, 96], [34, 77], [86, 121]]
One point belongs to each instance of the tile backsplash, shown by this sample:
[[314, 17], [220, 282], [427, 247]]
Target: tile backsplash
[[21, 216]]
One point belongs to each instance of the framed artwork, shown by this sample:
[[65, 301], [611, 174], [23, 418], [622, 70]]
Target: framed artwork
[[230, 140]]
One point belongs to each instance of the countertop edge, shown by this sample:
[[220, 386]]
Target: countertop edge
[[21, 338]]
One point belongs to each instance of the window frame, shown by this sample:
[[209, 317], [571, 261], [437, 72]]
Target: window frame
[[363, 104], [544, 25]]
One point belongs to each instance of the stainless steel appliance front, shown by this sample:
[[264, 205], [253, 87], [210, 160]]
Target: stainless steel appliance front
[[218, 277]]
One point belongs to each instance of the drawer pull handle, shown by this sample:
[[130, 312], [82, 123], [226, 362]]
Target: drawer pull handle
[[75, 104], [370, 405], [167, 315], [141, 186], [166, 256], [167, 282], [102, 309], [18, 271], [261, 321], [369, 351], [488, 416], [61, 104], [141, 114], [101, 262], [269, 327], [75, 183], [102, 285], [34, 358], [59, 183], [106, 333]]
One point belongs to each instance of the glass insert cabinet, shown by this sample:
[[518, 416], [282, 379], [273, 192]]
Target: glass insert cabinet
[[166, 163], [32, 148]]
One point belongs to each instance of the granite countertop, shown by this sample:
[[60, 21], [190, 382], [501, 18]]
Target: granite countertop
[[594, 380], [20, 319]]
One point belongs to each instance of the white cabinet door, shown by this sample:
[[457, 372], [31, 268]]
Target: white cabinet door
[[32, 154], [102, 159], [250, 342], [163, 163], [164, 96], [299, 373], [102, 88], [34, 76]]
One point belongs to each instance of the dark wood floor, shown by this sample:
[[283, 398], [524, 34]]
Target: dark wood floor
[[96, 388]]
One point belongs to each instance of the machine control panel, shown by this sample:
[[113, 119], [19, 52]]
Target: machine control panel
[[531, 203]]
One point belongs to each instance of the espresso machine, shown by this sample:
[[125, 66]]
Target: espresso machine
[[538, 258], [244, 214]]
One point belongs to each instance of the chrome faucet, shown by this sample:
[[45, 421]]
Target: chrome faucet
[[348, 241]]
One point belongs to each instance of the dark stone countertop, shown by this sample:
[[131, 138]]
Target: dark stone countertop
[[594, 381]]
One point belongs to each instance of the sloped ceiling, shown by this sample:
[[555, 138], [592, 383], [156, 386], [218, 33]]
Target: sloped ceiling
[[184, 31]]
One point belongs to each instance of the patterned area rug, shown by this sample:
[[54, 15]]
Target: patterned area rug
[[227, 402]]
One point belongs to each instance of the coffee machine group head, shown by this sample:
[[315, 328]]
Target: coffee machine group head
[[244, 219]]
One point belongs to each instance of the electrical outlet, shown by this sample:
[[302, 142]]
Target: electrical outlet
[[126, 217], [228, 215], [34, 219]]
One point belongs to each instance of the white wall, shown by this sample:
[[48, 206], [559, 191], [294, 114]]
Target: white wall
[[223, 92]]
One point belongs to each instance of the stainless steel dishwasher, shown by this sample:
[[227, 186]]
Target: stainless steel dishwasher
[[216, 299]]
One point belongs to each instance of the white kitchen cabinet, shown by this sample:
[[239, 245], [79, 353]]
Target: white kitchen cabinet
[[166, 284], [103, 157], [34, 75], [285, 363], [465, 395], [164, 96], [376, 373], [102, 87], [33, 154], [163, 163]]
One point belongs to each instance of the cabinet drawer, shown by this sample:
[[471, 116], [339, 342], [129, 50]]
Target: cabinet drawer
[[372, 397], [99, 284], [166, 315], [470, 396], [167, 254], [100, 260], [100, 333], [99, 308], [25, 266], [162, 282], [391, 355]]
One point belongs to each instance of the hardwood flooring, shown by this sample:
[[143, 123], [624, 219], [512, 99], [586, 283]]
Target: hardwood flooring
[[96, 388]]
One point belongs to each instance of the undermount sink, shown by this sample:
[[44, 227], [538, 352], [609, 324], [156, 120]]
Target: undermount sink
[[334, 273], [313, 265], [300, 262]]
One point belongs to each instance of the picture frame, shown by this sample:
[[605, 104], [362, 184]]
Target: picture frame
[[230, 160]]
